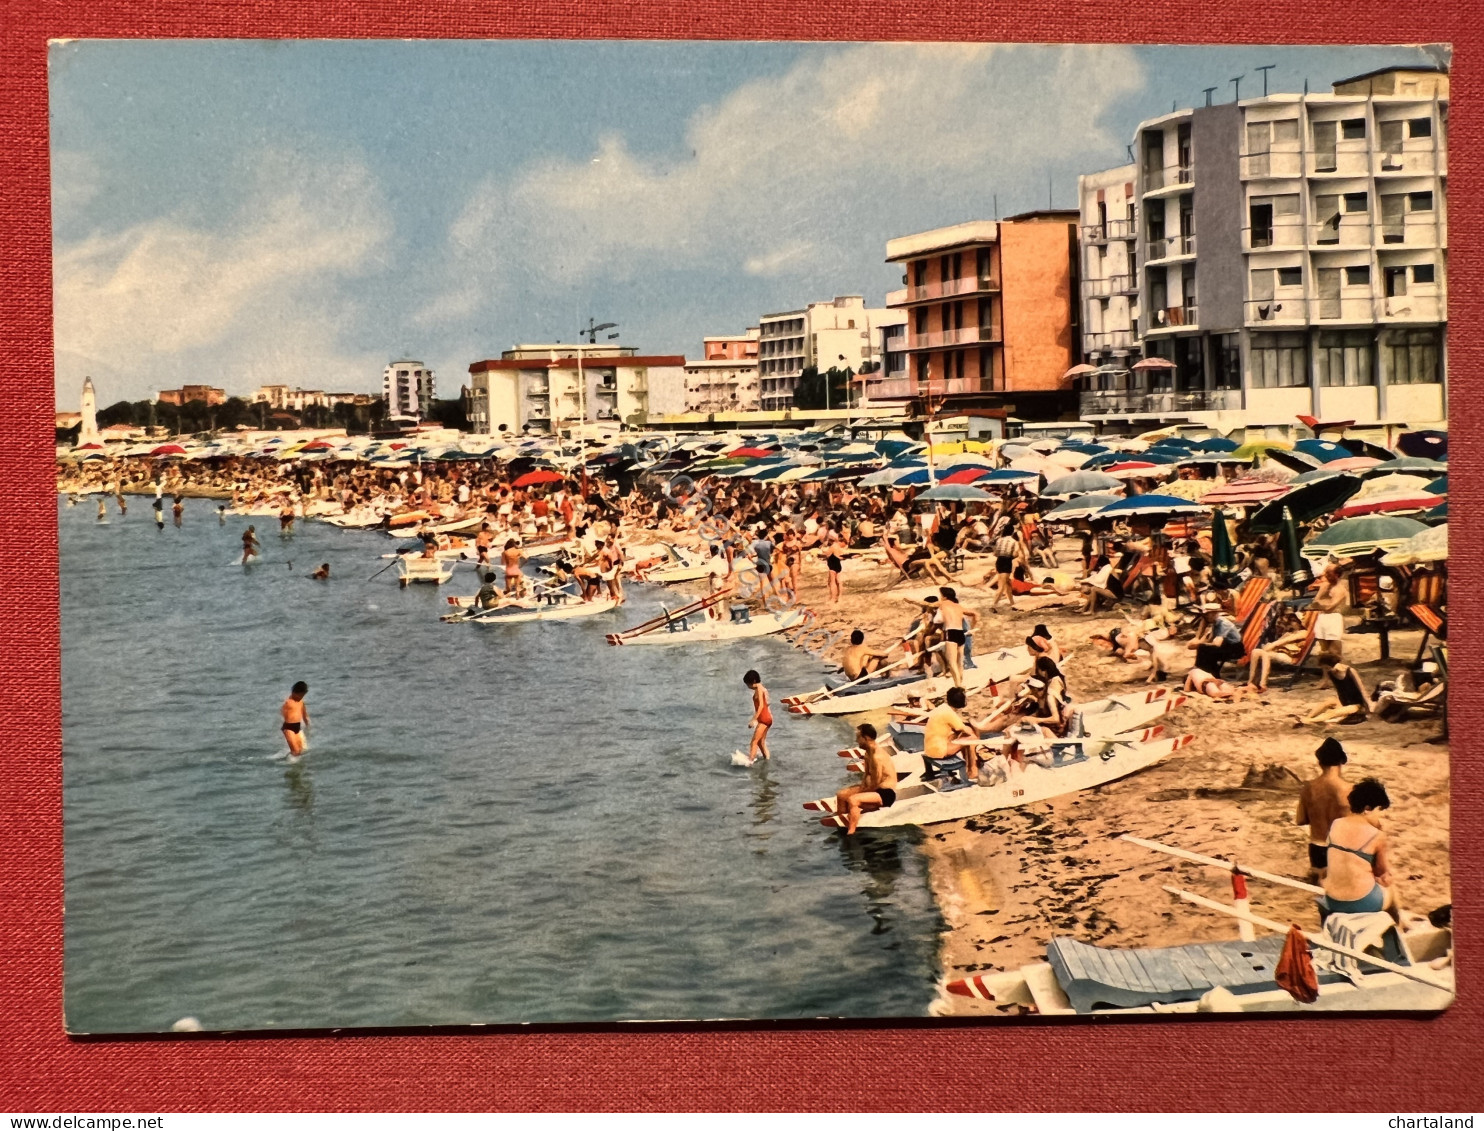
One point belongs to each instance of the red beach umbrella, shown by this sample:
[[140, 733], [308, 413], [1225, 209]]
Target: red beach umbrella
[[749, 453], [965, 475], [168, 450], [541, 475], [1401, 501]]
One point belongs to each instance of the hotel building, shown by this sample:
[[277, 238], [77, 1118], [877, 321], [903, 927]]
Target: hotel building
[[539, 387], [725, 378], [1289, 256], [839, 334]]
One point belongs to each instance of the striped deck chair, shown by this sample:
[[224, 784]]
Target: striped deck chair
[[1433, 626], [1248, 598], [1311, 620], [1258, 629]]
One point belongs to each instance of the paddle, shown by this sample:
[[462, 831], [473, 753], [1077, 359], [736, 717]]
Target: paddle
[[1224, 865], [669, 615], [828, 692]]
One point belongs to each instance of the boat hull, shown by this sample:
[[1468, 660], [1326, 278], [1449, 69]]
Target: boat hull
[[713, 632], [992, 668], [568, 611]]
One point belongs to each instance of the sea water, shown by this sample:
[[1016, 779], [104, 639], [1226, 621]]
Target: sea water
[[495, 824]]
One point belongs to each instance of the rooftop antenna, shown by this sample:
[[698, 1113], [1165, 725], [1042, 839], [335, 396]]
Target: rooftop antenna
[[1129, 148], [1306, 85], [1265, 68], [1049, 205], [996, 206], [1210, 90], [1237, 84]]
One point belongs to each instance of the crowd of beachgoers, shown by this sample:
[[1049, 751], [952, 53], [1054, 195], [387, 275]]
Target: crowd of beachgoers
[[1274, 574]]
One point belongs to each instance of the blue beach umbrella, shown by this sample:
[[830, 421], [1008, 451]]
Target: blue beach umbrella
[[1081, 483], [1429, 443], [1218, 444], [1438, 486], [1150, 506], [1322, 450]]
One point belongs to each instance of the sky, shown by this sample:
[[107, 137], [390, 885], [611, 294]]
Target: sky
[[236, 213]]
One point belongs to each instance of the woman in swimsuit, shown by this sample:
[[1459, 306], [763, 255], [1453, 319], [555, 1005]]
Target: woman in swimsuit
[[762, 717], [831, 549], [1349, 701], [1204, 683], [1358, 878]]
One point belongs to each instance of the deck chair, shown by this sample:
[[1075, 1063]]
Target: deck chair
[[1433, 626], [1311, 620], [1258, 629], [1248, 598]]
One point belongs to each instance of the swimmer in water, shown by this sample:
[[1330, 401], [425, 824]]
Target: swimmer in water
[[321, 574], [221, 515], [295, 719]]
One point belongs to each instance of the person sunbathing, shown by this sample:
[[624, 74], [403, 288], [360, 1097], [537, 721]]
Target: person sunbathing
[[1349, 701], [921, 562], [1204, 683], [1119, 642]]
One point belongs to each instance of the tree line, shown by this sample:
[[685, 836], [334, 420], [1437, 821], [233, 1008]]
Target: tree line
[[234, 412]]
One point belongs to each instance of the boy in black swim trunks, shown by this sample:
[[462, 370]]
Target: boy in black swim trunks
[[878, 781], [295, 718]]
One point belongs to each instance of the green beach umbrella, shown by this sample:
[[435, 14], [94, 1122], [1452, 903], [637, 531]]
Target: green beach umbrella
[[1298, 572], [1223, 557], [1353, 537]]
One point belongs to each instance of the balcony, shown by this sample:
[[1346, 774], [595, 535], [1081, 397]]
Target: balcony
[[1353, 230], [1168, 178], [1414, 308], [1340, 163], [1116, 402], [946, 339], [1272, 163], [1410, 232], [1278, 234], [1112, 230], [1111, 285], [1100, 340], [949, 288], [891, 388], [1174, 318], [1276, 311], [538, 390], [1170, 247]]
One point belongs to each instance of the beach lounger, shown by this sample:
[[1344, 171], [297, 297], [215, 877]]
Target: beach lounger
[[1311, 619], [1258, 630], [1434, 625], [1248, 598]]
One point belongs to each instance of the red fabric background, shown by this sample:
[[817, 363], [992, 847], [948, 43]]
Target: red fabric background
[[1336, 1064]]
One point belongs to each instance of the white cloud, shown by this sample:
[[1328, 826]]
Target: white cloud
[[791, 175], [252, 299]]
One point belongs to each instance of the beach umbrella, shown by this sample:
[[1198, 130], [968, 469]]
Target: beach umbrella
[[1295, 461], [1297, 574], [1223, 557], [168, 450], [955, 492], [1083, 507], [1436, 516], [1355, 537], [1391, 484], [1245, 492], [1255, 448], [1216, 444], [1397, 502], [540, 475], [1149, 506], [891, 448], [882, 478], [1409, 464], [1069, 458], [1037, 464], [1428, 443], [1325, 472], [748, 453], [1429, 546], [1438, 486], [1307, 502], [1010, 475], [1135, 469], [1081, 483], [1360, 447], [1322, 450], [1195, 490], [1351, 463], [963, 475]]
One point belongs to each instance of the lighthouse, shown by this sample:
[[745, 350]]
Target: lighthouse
[[88, 433]]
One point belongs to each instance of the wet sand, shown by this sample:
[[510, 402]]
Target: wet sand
[[1009, 881]]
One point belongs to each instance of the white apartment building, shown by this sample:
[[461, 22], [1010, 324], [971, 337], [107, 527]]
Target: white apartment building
[[1291, 259], [552, 387], [407, 386], [725, 377], [1109, 290], [841, 334]]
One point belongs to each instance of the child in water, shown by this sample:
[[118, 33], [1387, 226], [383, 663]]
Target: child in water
[[295, 719], [762, 717]]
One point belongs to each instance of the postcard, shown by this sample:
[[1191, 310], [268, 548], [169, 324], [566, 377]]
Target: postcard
[[587, 532]]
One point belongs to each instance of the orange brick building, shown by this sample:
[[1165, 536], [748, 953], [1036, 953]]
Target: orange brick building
[[188, 393], [991, 317]]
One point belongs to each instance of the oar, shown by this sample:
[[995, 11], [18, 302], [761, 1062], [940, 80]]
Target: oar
[[669, 615], [1224, 865], [1317, 940], [384, 568]]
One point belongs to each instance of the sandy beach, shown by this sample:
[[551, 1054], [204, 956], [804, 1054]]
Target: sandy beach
[[1010, 881]]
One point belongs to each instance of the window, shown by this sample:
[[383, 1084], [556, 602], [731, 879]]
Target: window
[[1262, 285], [1343, 358], [1226, 357], [1396, 282], [1327, 216], [1260, 220], [1352, 128], [1357, 202], [850, 324], [1422, 273], [1279, 361], [1393, 225], [1324, 147], [1290, 276], [1285, 131], [1357, 276], [1419, 202], [1419, 127], [1410, 357]]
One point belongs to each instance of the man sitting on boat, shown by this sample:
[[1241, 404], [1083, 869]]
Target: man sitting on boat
[[943, 725], [877, 788], [858, 660]]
